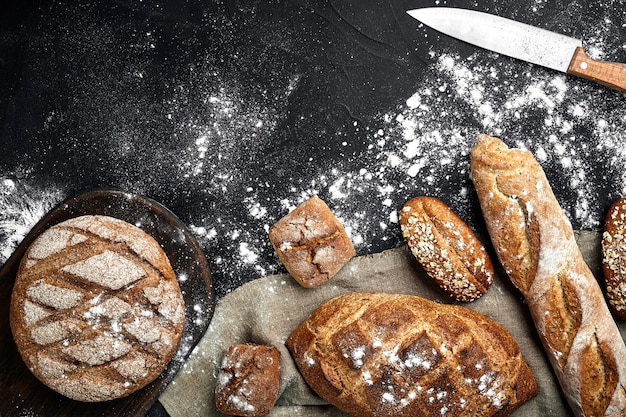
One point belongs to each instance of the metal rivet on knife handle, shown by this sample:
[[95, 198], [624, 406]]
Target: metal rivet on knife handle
[[610, 74]]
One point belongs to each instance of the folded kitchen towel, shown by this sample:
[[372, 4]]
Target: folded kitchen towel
[[268, 309]]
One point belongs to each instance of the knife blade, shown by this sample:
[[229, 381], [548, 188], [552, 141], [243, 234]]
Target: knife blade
[[522, 41]]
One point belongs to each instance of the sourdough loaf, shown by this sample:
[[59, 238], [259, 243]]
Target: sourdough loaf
[[96, 312], [381, 354], [446, 248], [535, 244]]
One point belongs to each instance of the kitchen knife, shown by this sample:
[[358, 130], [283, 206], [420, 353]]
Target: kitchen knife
[[522, 41]]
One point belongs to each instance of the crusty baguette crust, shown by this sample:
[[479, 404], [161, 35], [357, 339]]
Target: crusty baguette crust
[[392, 355], [535, 243], [446, 248]]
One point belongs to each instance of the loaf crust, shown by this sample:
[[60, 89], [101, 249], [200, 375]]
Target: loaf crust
[[311, 243], [381, 354], [535, 244], [248, 380], [96, 312], [614, 257], [446, 248]]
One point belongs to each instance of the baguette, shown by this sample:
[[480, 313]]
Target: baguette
[[375, 354], [535, 243]]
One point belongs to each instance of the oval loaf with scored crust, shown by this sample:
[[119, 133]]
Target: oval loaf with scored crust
[[614, 257], [391, 355], [446, 248], [96, 312]]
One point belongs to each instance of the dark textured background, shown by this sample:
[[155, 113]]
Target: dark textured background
[[217, 108]]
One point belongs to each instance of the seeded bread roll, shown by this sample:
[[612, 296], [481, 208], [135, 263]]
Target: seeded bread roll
[[96, 312], [614, 257], [248, 380], [311, 243], [391, 355], [447, 248], [535, 244]]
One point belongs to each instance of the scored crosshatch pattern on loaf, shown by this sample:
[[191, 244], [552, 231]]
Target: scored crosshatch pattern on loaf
[[379, 354], [96, 311]]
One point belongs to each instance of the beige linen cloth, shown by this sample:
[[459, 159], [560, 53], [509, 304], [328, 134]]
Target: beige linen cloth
[[268, 309]]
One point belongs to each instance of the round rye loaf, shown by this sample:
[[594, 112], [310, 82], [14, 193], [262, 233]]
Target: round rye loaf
[[96, 311]]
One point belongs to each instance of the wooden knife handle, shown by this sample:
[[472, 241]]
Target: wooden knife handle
[[610, 74]]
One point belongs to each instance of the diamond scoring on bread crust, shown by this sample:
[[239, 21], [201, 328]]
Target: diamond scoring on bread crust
[[396, 355], [100, 315]]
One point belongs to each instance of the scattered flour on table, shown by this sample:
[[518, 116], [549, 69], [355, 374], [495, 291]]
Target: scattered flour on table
[[569, 126], [421, 146], [21, 206]]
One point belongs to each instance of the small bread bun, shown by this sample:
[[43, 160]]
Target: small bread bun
[[447, 248], [248, 380], [614, 257], [96, 312], [311, 243]]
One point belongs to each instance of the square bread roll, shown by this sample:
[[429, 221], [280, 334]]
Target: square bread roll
[[311, 243], [248, 380]]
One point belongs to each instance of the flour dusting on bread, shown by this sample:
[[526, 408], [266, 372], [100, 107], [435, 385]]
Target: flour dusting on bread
[[96, 312]]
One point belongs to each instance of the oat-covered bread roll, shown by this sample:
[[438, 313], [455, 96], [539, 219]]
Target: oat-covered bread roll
[[535, 244], [614, 257], [311, 243], [446, 248], [248, 380], [96, 312], [391, 355]]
